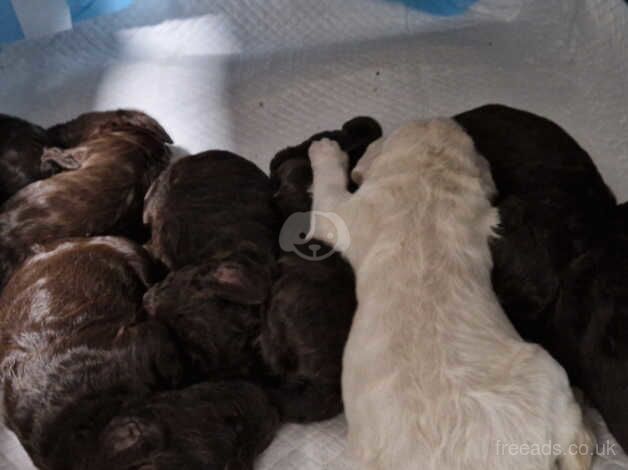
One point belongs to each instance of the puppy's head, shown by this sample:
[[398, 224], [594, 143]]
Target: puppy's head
[[290, 170], [96, 124], [239, 280]]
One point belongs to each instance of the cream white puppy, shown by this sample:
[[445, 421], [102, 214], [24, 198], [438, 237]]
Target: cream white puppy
[[434, 374]]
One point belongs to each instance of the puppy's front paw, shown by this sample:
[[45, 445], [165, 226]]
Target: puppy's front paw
[[325, 151]]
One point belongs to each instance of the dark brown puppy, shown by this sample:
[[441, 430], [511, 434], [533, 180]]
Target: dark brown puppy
[[113, 169], [21, 147], [304, 334], [313, 300], [290, 170], [75, 344], [210, 426], [553, 206], [210, 205], [214, 309], [590, 325]]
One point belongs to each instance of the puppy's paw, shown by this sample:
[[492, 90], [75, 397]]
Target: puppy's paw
[[327, 151]]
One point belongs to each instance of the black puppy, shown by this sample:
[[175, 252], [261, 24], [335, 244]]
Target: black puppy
[[211, 204], [75, 344], [553, 206], [290, 170], [590, 326], [21, 147], [313, 300], [215, 309], [210, 426]]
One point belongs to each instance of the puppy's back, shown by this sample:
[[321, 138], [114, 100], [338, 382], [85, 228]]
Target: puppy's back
[[103, 197], [73, 337], [210, 203], [553, 206], [304, 333]]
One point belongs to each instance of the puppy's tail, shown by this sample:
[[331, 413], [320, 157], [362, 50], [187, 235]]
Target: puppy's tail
[[579, 453]]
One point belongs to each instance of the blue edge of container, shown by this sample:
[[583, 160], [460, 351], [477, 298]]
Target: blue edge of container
[[11, 31], [80, 10]]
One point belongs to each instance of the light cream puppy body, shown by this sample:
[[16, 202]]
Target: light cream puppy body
[[434, 374]]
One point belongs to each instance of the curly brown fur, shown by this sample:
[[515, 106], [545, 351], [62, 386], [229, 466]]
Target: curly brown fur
[[21, 147], [304, 333], [209, 205], [75, 343], [214, 310], [102, 196], [291, 172], [210, 426]]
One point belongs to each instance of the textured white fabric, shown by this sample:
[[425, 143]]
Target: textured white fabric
[[253, 76]]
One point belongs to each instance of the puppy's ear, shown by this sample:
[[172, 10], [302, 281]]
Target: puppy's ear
[[124, 433], [242, 284], [70, 159], [144, 121]]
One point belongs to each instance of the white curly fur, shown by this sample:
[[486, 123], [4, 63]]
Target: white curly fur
[[435, 376]]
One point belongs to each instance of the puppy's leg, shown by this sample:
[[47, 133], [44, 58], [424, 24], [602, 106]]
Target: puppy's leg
[[329, 169]]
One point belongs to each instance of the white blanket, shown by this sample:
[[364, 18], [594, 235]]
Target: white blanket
[[253, 76]]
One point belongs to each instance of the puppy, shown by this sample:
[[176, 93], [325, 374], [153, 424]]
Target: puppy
[[211, 426], [553, 206], [433, 371], [304, 333], [290, 170], [76, 344], [589, 330], [103, 194], [211, 204], [21, 147], [214, 310], [90, 125], [313, 299]]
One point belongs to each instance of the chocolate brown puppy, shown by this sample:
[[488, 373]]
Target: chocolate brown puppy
[[304, 334], [290, 170], [97, 123], [214, 310], [103, 194], [75, 344], [210, 426], [211, 204], [21, 147]]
